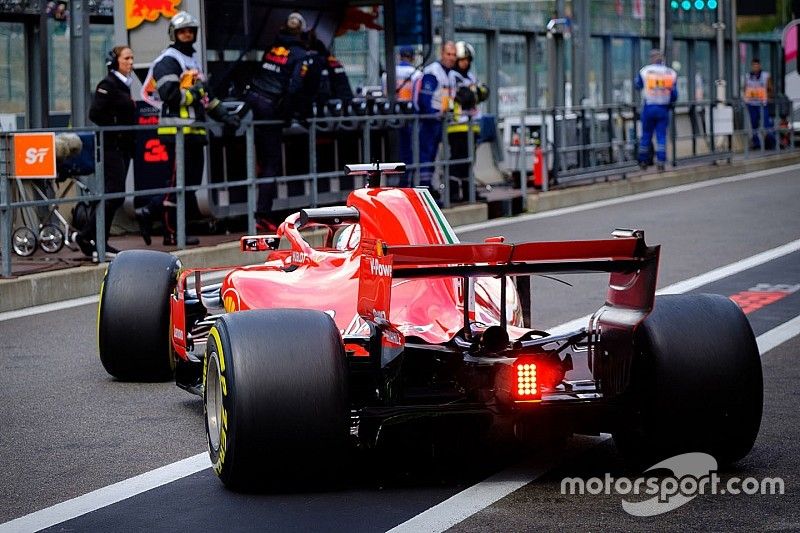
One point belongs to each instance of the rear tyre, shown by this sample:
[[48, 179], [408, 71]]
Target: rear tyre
[[134, 316], [275, 398], [697, 383]]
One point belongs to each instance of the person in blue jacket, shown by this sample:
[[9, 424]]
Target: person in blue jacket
[[659, 86], [434, 96]]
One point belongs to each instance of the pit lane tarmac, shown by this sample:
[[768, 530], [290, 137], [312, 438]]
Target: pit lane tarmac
[[70, 430], [471, 485]]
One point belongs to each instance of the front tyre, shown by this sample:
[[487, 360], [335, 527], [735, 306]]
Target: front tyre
[[134, 314], [275, 398], [697, 383]]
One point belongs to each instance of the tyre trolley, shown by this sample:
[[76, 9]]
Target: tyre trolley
[[43, 226]]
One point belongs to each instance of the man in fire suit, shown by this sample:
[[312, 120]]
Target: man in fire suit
[[185, 100], [468, 93]]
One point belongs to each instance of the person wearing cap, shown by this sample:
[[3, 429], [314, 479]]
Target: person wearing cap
[[280, 90], [406, 76], [659, 87], [757, 93], [185, 100], [468, 93], [434, 96]]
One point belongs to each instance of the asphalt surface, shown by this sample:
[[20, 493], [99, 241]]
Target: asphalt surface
[[68, 428]]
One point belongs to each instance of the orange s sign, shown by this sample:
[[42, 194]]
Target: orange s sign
[[35, 155], [137, 11]]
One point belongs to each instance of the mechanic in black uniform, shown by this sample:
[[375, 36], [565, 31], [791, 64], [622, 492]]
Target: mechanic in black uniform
[[112, 106], [185, 100], [279, 91], [334, 83]]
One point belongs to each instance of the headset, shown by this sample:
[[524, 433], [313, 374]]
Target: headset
[[112, 61]]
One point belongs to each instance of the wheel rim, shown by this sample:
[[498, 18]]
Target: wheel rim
[[51, 239], [213, 395], [24, 241]]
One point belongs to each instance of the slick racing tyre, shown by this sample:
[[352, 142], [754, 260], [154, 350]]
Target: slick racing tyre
[[697, 382], [275, 398], [134, 316]]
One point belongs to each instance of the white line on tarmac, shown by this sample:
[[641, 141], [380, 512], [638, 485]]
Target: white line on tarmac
[[623, 199], [213, 277], [46, 308], [474, 499], [777, 336], [107, 495]]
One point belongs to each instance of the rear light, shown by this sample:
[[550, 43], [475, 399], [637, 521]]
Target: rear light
[[526, 383], [527, 378]]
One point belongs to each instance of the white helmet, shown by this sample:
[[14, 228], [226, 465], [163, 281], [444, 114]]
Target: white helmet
[[464, 50], [181, 20]]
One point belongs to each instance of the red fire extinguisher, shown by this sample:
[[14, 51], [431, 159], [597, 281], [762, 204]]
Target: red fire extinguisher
[[539, 171]]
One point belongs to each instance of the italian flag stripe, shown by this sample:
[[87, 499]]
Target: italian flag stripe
[[438, 217], [447, 235]]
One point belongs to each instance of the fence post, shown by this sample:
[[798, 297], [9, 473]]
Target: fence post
[[523, 151], [365, 142], [5, 208], [180, 193], [711, 128], [556, 155], [749, 130], [673, 134], [545, 150], [446, 167], [100, 206], [415, 151], [523, 183], [312, 159], [250, 154], [610, 132], [472, 158]]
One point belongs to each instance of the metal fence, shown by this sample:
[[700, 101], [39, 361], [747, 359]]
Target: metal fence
[[574, 145]]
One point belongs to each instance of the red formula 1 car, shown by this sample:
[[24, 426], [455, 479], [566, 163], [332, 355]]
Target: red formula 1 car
[[390, 320]]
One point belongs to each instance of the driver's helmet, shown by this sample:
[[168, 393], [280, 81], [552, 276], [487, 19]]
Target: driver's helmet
[[348, 238]]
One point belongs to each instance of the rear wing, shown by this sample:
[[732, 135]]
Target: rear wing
[[632, 264]]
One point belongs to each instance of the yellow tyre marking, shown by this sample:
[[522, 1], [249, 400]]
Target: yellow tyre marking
[[223, 423], [99, 309]]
